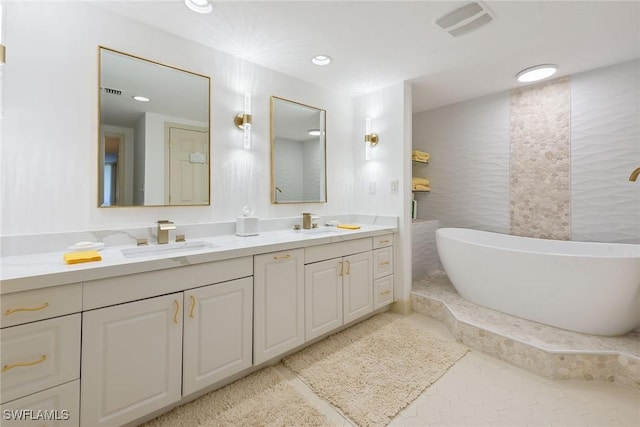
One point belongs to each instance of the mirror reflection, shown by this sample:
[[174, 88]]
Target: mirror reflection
[[298, 146], [154, 133]]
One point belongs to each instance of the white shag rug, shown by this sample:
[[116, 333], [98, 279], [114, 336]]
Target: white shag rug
[[374, 369], [260, 399]]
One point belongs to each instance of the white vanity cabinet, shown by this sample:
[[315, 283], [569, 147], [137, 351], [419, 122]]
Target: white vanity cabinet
[[217, 333], [357, 289], [40, 357], [131, 360], [140, 356], [278, 323]]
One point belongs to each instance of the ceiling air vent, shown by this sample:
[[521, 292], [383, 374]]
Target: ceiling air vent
[[465, 19], [112, 91]]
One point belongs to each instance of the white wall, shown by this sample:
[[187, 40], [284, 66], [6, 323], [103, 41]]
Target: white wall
[[390, 112], [50, 126]]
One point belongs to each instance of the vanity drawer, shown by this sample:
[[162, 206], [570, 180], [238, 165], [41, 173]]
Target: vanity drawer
[[62, 404], [382, 241], [39, 355], [382, 292], [382, 262], [39, 304]]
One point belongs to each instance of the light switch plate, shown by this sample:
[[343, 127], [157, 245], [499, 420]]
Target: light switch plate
[[394, 185], [372, 187]]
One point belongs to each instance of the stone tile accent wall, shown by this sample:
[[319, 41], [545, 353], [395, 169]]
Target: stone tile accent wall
[[539, 181]]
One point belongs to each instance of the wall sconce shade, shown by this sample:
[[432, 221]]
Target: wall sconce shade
[[370, 140], [244, 120]]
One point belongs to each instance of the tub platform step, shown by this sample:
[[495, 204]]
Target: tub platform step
[[541, 349]]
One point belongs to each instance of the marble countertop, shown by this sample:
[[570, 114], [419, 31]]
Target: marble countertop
[[33, 271]]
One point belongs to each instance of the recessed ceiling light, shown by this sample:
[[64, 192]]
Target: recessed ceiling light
[[199, 6], [321, 59], [141, 98], [539, 72]]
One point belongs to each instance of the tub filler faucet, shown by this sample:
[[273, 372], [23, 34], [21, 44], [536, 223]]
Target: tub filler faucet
[[164, 226], [634, 175]]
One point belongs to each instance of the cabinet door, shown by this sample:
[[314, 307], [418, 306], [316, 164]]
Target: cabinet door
[[131, 360], [217, 333], [322, 297], [278, 323], [357, 285]]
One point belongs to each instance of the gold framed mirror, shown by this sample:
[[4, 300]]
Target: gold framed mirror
[[154, 137], [298, 153]]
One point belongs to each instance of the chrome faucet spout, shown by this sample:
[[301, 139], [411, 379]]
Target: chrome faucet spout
[[634, 175], [164, 226]]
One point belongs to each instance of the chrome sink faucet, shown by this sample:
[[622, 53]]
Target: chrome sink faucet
[[164, 226]]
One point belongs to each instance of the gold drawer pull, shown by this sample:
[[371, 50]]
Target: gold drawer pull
[[193, 306], [15, 310], [280, 257], [384, 263], [387, 292], [383, 241], [341, 273], [5, 368], [175, 314]]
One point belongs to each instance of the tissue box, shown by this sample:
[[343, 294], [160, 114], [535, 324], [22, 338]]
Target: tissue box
[[247, 226]]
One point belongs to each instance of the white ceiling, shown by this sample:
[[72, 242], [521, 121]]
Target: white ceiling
[[377, 43]]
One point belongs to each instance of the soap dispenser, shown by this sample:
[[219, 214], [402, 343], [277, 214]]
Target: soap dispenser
[[247, 224]]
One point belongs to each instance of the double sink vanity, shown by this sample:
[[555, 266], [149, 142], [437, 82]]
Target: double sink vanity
[[117, 341]]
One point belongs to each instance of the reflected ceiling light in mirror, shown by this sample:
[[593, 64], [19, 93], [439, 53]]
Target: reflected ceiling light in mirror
[[243, 121], [141, 98], [321, 60], [538, 72], [370, 139], [199, 6]]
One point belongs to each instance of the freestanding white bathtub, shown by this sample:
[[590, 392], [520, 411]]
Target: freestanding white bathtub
[[586, 287]]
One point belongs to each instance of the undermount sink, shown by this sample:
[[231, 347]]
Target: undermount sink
[[177, 248]]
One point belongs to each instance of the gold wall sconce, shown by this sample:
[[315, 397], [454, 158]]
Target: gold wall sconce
[[243, 121], [371, 139]]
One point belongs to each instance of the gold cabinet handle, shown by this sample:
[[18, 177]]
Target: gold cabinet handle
[[15, 310], [348, 267], [193, 306], [281, 257], [340, 274], [383, 241], [387, 292], [384, 263], [175, 314], [5, 368]]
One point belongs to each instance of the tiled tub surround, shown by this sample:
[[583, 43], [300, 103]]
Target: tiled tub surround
[[544, 350], [540, 119]]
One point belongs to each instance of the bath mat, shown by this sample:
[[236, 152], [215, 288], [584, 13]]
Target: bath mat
[[261, 399], [374, 369]]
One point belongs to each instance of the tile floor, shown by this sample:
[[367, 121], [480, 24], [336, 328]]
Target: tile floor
[[483, 391]]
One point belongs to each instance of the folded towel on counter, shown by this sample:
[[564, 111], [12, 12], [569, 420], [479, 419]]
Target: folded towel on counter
[[84, 256], [417, 187], [349, 226], [420, 181]]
